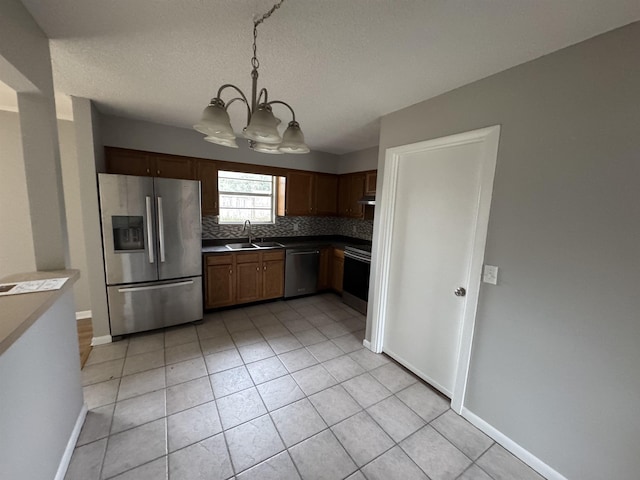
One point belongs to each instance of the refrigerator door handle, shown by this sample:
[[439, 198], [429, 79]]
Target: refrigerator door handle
[[161, 228], [151, 246], [155, 287]]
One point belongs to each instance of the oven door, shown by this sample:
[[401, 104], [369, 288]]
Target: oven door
[[355, 283]]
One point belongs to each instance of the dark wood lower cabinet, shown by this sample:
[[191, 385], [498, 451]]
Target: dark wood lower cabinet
[[237, 278], [220, 281], [324, 268], [248, 277], [337, 269], [272, 274]]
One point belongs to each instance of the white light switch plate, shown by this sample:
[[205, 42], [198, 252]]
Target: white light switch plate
[[490, 274]]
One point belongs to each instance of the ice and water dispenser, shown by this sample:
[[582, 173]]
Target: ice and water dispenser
[[128, 233]]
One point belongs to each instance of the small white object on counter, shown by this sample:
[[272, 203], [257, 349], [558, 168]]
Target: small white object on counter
[[31, 286]]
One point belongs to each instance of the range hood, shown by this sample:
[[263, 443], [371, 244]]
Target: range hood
[[367, 200]]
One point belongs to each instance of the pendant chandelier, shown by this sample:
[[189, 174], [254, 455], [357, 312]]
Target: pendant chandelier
[[262, 125]]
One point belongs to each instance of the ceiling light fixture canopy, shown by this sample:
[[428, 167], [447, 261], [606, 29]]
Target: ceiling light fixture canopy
[[262, 125]]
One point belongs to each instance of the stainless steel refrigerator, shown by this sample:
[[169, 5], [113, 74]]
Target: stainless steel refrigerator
[[152, 239]]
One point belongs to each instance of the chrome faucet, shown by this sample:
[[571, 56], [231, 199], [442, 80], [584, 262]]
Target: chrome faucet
[[247, 229]]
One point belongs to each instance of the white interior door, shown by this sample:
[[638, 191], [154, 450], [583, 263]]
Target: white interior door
[[436, 210]]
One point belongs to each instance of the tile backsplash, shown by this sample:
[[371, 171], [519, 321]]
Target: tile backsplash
[[286, 227]]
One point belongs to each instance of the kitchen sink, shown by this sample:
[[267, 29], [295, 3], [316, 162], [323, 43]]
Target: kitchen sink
[[241, 246], [267, 244]]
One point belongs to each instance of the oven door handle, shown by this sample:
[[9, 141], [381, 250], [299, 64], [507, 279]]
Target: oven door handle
[[356, 256]]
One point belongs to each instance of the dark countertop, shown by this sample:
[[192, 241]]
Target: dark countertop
[[336, 241]]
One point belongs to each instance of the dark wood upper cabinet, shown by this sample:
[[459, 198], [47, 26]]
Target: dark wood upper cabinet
[[370, 184], [146, 164], [351, 189], [207, 173], [305, 193], [300, 193], [171, 166], [128, 162], [326, 198]]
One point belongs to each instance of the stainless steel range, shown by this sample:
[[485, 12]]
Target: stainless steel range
[[357, 268]]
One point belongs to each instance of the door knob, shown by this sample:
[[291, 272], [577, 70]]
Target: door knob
[[460, 292]]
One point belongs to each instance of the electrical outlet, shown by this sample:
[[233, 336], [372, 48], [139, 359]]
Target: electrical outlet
[[296, 227], [354, 229], [490, 274]]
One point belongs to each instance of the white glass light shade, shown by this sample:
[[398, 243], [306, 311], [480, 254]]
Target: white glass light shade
[[271, 148], [263, 126], [215, 122], [225, 142], [293, 140]]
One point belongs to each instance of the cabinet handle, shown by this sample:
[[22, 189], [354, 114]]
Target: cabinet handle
[[257, 269], [230, 271], [265, 267], [158, 172], [148, 171]]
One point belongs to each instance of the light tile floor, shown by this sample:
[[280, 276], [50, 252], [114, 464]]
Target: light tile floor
[[282, 390]]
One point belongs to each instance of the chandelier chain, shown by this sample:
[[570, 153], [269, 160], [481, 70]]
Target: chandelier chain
[[254, 61]]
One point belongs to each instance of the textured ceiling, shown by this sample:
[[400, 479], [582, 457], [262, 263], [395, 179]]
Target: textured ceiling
[[341, 64]]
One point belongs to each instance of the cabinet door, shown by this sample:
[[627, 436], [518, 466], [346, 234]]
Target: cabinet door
[[272, 279], [219, 280], [208, 176], [324, 269], [326, 198], [370, 184], [299, 193], [248, 277], [169, 166], [127, 162], [344, 196], [337, 270], [356, 191]]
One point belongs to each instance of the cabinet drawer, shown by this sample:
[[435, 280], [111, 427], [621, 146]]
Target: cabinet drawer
[[273, 255], [226, 259], [247, 257]]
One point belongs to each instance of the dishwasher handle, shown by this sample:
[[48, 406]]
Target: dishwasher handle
[[303, 252]]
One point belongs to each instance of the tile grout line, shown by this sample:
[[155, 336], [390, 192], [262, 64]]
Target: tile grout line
[[255, 385]]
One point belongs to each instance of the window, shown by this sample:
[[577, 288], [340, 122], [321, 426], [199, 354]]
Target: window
[[246, 196]]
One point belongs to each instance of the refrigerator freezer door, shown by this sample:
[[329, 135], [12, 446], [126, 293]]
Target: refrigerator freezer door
[[146, 306], [179, 228], [127, 208]]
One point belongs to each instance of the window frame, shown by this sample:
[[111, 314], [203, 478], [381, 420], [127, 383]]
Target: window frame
[[273, 195]]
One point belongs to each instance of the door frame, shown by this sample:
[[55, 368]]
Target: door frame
[[383, 243]]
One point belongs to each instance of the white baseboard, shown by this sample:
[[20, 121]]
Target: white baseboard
[[367, 344], [71, 444], [527, 457], [83, 314], [101, 340]]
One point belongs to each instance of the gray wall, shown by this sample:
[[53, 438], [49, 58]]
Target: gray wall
[[73, 208], [41, 393], [140, 135], [25, 66], [358, 161], [16, 242], [90, 158], [555, 356]]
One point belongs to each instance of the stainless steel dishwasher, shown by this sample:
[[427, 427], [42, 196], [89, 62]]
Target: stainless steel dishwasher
[[301, 271]]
